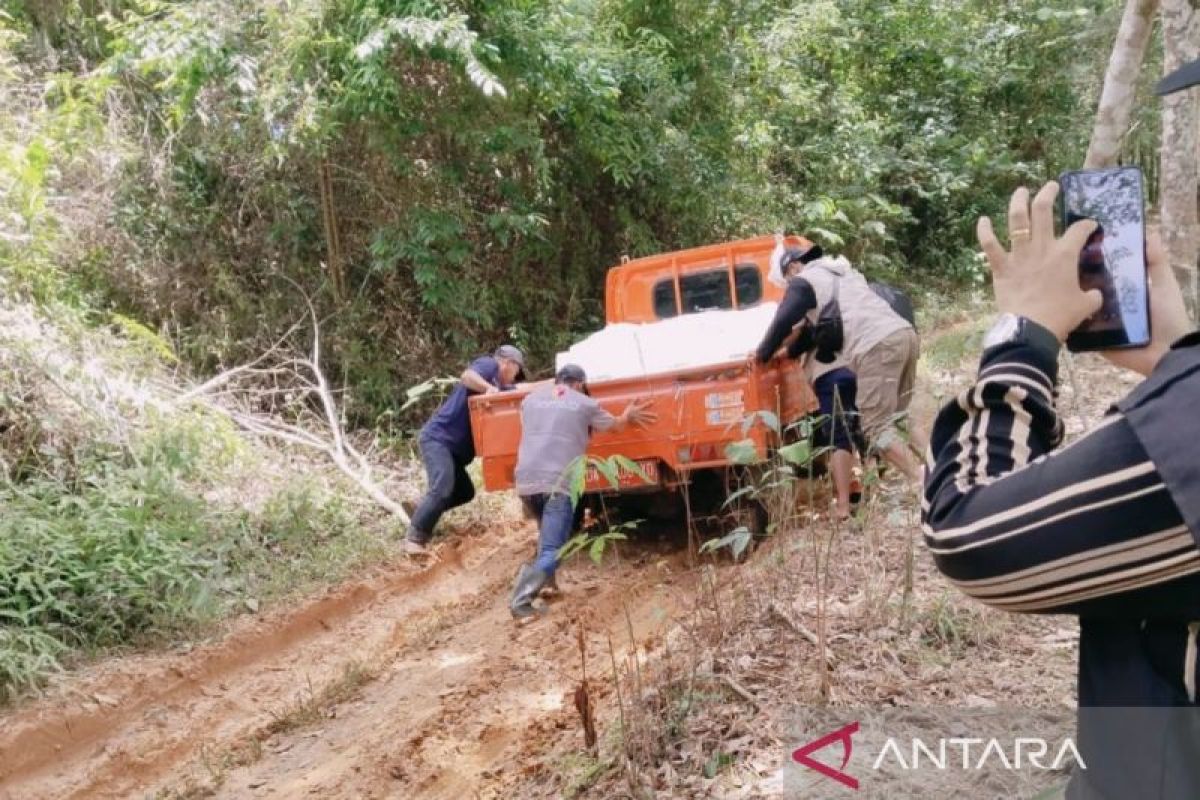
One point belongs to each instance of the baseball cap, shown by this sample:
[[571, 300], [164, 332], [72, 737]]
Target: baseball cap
[[1182, 78], [806, 256], [513, 354], [570, 372]]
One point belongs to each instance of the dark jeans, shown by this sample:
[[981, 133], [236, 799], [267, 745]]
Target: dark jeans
[[556, 519], [837, 396], [449, 487]]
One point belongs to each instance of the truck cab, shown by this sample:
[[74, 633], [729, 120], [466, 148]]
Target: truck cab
[[721, 276]]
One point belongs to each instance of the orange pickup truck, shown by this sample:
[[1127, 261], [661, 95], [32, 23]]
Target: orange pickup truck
[[700, 409]]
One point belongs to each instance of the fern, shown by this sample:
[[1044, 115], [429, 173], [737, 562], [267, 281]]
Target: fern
[[451, 33]]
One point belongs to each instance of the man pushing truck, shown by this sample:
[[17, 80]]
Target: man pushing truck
[[556, 423]]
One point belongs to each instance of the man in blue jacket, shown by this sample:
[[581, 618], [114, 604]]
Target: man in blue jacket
[[447, 446]]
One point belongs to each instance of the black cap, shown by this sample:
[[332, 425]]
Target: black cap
[[1182, 78], [570, 373], [806, 256]]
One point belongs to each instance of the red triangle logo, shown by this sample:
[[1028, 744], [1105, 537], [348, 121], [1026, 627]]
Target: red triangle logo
[[801, 756]]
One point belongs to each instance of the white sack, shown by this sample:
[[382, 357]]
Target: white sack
[[628, 350]]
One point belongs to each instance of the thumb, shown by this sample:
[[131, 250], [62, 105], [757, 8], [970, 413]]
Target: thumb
[[1092, 300]]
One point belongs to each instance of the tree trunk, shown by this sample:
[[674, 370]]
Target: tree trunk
[[333, 240], [1120, 83], [1181, 149]]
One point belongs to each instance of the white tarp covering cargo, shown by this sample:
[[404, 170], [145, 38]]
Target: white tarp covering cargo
[[627, 350]]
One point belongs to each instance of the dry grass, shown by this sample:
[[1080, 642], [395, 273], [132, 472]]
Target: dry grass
[[709, 712], [312, 706]]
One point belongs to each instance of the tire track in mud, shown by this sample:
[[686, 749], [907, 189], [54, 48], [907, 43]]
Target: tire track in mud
[[116, 732], [452, 719], [459, 687], [455, 717]]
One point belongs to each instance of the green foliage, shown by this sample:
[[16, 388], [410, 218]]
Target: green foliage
[[736, 540], [798, 453], [442, 175], [718, 761], [124, 555], [103, 545], [27, 656], [488, 162], [574, 477], [767, 418], [434, 387], [595, 544], [451, 34], [146, 339], [742, 452]]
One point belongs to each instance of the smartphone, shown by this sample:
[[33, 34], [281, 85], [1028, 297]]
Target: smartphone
[[1114, 258]]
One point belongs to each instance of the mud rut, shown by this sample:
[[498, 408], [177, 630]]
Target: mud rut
[[462, 700]]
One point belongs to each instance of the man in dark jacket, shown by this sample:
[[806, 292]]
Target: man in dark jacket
[[1106, 528], [447, 446]]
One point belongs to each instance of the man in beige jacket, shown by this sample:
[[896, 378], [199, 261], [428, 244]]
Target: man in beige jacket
[[880, 346]]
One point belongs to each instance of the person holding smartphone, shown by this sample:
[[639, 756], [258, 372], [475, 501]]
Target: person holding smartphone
[[1105, 528]]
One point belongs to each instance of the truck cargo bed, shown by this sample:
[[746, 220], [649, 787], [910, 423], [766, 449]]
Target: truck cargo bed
[[700, 412]]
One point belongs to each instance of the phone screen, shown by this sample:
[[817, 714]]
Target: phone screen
[[1114, 258]]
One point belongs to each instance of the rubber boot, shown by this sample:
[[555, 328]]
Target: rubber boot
[[529, 580]]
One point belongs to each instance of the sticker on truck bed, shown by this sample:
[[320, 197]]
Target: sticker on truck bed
[[723, 399], [723, 408], [626, 479], [723, 416]]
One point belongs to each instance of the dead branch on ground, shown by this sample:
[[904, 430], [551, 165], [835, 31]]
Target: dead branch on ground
[[281, 372]]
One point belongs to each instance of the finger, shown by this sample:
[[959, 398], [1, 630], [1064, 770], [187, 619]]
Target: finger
[[1076, 236], [1157, 265], [1018, 217], [1164, 288], [1042, 222], [992, 249], [1092, 300]]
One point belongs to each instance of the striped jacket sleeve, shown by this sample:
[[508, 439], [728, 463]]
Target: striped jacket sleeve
[[1022, 524]]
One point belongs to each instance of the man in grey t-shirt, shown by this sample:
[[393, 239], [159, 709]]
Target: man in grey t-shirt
[[556, 423]]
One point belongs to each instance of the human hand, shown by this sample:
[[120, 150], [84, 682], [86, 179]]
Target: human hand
[[1039, 277], [491, 389], [1168, 315], [638, 414]]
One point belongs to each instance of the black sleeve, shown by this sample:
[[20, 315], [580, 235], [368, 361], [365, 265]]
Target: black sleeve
[[797, 301], [802, 343], [1023, 525]]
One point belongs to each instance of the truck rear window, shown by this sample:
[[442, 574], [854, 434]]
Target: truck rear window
[[705, 291]]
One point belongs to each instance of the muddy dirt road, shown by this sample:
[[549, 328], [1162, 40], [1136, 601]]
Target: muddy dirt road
[[441, 694]]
